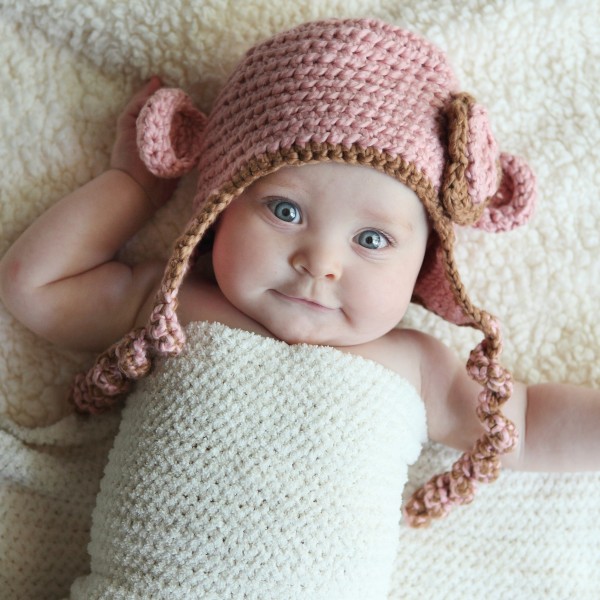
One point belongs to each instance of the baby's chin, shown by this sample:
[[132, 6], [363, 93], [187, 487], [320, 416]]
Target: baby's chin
[[321, 338]]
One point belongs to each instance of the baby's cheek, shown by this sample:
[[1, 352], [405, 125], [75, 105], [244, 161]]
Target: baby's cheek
[[391, 296]]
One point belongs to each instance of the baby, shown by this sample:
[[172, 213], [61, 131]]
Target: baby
[[264, 448]]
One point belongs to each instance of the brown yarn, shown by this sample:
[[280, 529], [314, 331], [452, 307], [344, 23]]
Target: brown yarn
[[110, 379], [454, 191], [482, 462]]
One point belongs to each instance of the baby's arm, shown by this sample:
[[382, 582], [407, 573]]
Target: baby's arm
[[61, 278], [558, 424], [561, 430]]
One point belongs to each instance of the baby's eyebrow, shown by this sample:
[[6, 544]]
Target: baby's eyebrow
[[383, 216]]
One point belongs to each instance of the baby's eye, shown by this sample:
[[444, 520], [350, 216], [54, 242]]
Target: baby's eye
[[285, 210], [372, 240]]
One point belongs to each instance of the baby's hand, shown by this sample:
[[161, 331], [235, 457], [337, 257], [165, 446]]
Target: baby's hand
[[125, 156]]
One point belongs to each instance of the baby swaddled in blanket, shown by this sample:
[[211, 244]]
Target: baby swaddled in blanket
[[263, 450]]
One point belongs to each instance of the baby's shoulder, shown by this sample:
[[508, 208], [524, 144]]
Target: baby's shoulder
[[401, 350]]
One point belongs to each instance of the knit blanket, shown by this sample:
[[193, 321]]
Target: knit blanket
[[248, 468], [66, 69]]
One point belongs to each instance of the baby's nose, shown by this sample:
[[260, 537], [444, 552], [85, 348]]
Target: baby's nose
[[319, 261]]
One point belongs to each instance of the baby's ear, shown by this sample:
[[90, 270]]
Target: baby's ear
[[169, 133]]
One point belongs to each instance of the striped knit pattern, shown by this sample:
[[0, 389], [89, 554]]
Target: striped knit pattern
[[356, 83]]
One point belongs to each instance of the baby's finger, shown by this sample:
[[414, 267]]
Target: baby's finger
[[138, 100]]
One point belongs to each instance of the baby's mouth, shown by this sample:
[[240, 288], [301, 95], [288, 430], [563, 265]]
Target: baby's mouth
[[304, 301]]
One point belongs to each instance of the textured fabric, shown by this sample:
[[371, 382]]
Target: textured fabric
[[354, 82], [247, 468], [67, 69], [49, 478]]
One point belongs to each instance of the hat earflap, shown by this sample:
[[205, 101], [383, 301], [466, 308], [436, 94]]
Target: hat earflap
[[169, 133]]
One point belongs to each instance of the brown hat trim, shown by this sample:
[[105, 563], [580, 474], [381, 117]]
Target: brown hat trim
[[265, 164]]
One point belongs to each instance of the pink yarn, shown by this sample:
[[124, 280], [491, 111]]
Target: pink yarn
[[99, 389], [164, 329], [168, 133], [434, 291], [353, 83], [513, 204], [481, 463], [132, 355], [485, 470], [482, 153]]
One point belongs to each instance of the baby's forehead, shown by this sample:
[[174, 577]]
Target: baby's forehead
[[355, 187], [325, 174]]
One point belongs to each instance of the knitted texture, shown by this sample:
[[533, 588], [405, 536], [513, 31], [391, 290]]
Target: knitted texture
[[361, 92], [248, 468], [353, 83], [67, 69], [171, 155]]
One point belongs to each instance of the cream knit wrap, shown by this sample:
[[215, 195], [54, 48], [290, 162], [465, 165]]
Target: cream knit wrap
[[247, 468]]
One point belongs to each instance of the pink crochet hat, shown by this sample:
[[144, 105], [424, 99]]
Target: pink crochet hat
[[358, 91], [361, 92]]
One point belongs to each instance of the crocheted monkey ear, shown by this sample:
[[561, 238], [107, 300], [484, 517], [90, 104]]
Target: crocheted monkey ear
[[513, 203], [471, 174], [481, 187], [169, 132]]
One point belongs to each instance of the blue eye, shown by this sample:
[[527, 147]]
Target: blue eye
[[285, 211], [372, 240]]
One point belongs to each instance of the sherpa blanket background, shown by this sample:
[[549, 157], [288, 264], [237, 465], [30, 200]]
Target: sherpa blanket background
[[66, 69]]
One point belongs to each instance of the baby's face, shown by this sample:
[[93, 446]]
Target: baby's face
[[322, 254]]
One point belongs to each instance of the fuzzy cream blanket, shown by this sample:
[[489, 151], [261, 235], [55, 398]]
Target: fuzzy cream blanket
[[66, 69]]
